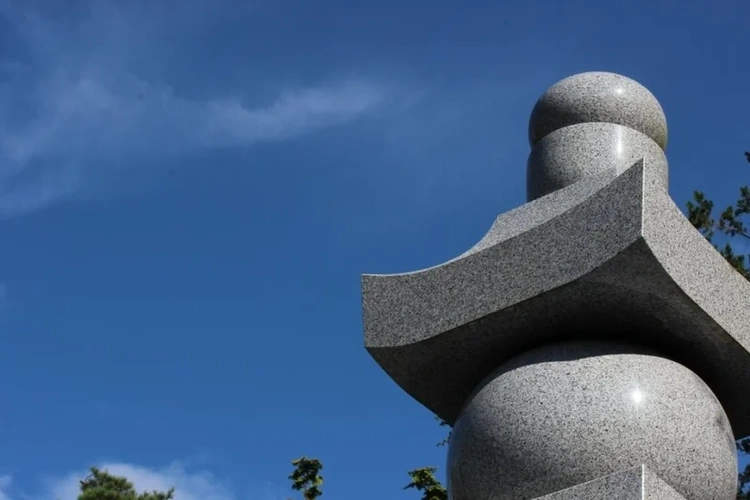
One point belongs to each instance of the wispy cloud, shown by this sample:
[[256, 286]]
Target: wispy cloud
[[5, 482], [74, 105]]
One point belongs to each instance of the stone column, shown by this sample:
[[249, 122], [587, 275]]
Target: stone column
[[593, 344]]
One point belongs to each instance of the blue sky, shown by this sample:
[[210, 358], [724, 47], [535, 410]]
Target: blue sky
[[189, 194]]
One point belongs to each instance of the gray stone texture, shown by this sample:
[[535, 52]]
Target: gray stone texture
[[531, 341], [607, 258], [572, 153], [572, 412], [638, 483], [598, 97]]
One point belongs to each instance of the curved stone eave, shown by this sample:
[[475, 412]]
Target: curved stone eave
[[717, 290], [583, 228], [639, 302], [703, 311], [440, 372], [695, 265], [647, 252], [523, 218]]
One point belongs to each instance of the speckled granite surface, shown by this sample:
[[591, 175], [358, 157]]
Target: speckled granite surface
[[559, 159], [620, 262], [598, 96], [638, 483], [600, 257], [566, 413]]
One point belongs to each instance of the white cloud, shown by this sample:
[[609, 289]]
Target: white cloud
[[189, 485], [76, 106], [5, 482]]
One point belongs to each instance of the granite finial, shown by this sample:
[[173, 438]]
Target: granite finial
[[598, 97]]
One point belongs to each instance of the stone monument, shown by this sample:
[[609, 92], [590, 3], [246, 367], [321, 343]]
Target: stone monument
[[593, 345]]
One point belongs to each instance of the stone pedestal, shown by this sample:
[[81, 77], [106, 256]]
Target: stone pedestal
[[592, 329]]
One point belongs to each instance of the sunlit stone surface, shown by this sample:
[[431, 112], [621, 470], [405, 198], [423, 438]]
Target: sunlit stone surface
[[492, 341], [569, 413], [591, 122]]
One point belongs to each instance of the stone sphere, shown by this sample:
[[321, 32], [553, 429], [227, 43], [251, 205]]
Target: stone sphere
[[598, 97], [568, 413]]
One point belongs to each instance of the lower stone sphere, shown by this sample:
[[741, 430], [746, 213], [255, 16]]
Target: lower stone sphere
[[564, 414]]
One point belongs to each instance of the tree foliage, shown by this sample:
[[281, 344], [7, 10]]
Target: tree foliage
[[443, 423], [743, 446], [424, 480], [101, 485], [306, 477], [728, 224]]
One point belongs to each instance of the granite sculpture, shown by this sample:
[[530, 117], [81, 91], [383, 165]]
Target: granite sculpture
[[593, 344]]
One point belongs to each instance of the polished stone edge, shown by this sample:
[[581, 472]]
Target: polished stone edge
[[638, 483]]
